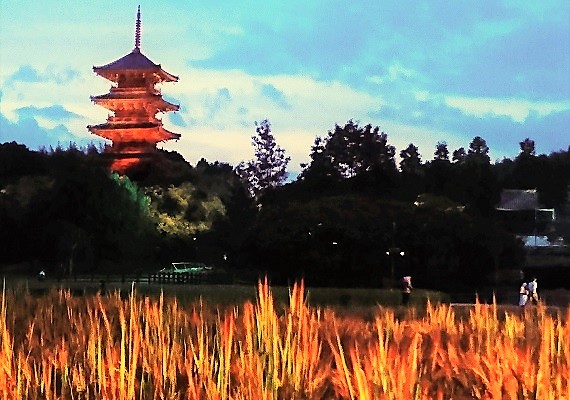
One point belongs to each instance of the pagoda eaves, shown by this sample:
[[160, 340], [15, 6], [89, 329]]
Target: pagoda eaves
[[134, 101], [134, 62], [150, 132], [114, 102]]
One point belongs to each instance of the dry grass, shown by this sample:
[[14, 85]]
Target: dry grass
[[108, 347]]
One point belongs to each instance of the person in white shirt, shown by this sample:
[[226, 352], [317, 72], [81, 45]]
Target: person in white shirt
[[532, 287]]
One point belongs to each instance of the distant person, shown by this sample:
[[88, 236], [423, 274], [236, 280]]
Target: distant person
[[532, 287], [406, 289], [523, 294]]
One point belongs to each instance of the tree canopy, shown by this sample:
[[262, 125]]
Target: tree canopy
[[351, 150], [333, 225]]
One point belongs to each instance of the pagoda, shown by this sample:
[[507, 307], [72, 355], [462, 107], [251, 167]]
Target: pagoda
[[134, 100]]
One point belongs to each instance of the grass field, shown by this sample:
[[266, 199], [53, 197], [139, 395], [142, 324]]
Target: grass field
[[139, 346], [232, 294]]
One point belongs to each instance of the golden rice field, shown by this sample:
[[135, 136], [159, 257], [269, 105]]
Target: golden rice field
[[111, 347]]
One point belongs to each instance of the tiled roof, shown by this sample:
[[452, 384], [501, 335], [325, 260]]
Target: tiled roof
[[134, 60]]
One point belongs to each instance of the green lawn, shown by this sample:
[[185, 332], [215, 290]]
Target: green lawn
[[227, 295], [236, 294]]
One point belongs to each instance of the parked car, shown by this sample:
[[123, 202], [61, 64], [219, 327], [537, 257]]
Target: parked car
[[186, 266]]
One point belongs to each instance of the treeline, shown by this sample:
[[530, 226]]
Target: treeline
[[353, 217], [354, 203]]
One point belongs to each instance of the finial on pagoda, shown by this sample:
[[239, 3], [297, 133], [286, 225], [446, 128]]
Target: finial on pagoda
[[138, 30]]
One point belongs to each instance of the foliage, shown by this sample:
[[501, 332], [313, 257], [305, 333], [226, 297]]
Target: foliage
[[326, 240], [550, 175], [61, 209], [16, 161], [441, 152], [140, 201], [342, 241], [72, 210], [228, 230], [410, 160], [183, 210], [527, 147], [269, 168], [459, 155], [412, 174], [64, 212], [478, 150], [469, 180], [441, 178], [351, 150]]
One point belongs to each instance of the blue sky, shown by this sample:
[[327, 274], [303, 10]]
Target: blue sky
[[423, 72]]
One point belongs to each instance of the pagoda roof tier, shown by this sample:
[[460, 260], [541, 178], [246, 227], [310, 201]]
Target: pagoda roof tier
[[146, 132], [121, 149], [121, 162], [112, 101], [137, 62], [120, 165]]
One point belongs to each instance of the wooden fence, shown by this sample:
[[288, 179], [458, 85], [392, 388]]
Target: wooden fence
[[190, 278]]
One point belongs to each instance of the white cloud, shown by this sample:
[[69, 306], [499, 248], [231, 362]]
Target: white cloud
[[397, 65], [220, 108], [517, 110], [395, 72], [225, 135]]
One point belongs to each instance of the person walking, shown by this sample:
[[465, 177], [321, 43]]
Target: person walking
[[532, 287], [523, 294], [406, 289]]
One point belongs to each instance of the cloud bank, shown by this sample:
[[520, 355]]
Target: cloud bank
[[421, 71]]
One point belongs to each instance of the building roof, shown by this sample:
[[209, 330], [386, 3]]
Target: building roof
[[113, 98], [134, 61], [516, 200], [145, 132]]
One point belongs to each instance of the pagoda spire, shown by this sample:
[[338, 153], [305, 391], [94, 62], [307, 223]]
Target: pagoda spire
[[138, 30]]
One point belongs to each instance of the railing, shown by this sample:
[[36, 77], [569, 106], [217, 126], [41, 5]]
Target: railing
[[191, 278], [178, 278]]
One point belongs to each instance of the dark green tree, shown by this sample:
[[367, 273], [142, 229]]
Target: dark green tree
[[554, 183], [328, 240], [478, 150], [439, 172], [528, 169], [527, 147], [481, 191], [72, 216], [412, 181], [459, 155], [411, 162], [269, 168], [352, 152], [16, 161], [441, 152]]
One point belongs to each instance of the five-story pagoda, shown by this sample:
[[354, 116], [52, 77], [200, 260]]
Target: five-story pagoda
[[133, 127]]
